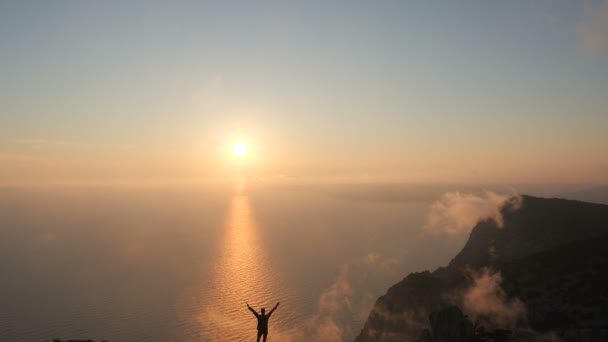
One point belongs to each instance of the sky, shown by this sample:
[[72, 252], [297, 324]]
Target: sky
[[328, 91]]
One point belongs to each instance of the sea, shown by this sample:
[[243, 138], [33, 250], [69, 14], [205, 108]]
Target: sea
[[181, 263]]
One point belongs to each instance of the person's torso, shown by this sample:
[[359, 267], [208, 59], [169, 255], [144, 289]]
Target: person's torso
[[263, 322]]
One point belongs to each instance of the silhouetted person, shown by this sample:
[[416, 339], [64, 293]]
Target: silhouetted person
[[262, 321]]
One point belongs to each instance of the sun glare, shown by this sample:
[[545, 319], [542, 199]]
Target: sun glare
[[240, 148]]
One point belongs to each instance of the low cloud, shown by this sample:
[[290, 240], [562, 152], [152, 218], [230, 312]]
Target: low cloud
[[456, 212], [44, 241], [345, 302], [592, 29], [334, 300], [486, 301], [40, 142]]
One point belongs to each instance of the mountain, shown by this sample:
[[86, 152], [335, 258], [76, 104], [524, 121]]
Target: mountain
[[597, 194], [544, 273]]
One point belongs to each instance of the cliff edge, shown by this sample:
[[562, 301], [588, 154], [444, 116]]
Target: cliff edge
[[543, 271]]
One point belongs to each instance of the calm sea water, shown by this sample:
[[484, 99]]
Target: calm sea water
[[181, 264]]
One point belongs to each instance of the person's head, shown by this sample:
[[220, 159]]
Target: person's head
[[263, 311]]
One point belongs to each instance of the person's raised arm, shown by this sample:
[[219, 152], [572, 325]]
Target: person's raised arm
[[253, 311], [275, 307]]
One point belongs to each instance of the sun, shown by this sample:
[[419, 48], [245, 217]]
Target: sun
[[240, 148]]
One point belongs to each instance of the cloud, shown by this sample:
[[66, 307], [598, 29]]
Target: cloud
[[325, 324], [456, 212], [338, 300], [32, 141], [345, 302], [38, 143], [413, 320], [592, 29], [486, 301], [44, 240]]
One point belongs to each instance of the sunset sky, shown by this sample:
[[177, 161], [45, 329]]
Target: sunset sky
[[410, 91]]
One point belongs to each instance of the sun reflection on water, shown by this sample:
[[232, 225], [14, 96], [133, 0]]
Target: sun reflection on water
[[241, 274]]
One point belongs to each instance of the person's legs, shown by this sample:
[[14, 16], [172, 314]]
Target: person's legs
[[260, 335], [265, 335]]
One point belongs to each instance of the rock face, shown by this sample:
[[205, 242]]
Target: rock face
[[549, 261], [533, 226], [451, 325]]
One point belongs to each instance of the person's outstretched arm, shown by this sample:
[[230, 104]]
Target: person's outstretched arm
[[275, 307], [253, 311]]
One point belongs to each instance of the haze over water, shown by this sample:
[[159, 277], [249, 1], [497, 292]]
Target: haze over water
[[180, 264]]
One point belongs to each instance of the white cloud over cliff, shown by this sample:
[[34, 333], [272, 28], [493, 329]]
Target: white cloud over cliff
[[456, 212]]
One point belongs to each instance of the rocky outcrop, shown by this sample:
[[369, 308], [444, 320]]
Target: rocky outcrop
[[451, 325], [551, 257], [531, 225]]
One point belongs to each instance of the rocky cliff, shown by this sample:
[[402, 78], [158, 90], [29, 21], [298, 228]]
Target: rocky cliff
[[543, 272]]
